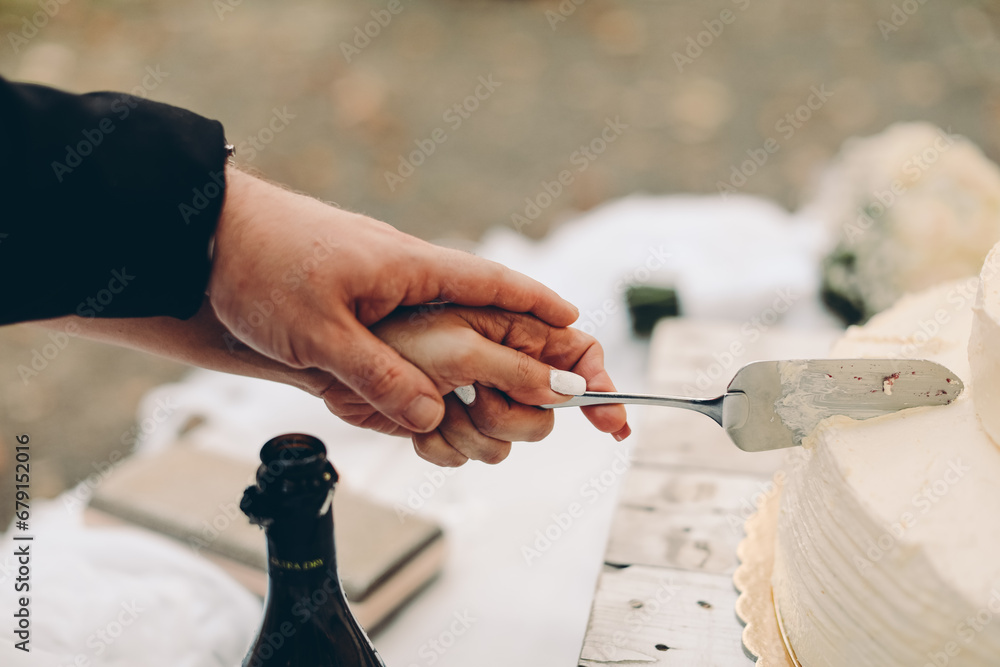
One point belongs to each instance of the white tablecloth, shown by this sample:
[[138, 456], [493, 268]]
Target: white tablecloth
[[496, 603]]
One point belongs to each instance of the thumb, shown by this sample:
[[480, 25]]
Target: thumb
[[392, 385]]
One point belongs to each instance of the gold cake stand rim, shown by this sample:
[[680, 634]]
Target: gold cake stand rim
[[764, 638]]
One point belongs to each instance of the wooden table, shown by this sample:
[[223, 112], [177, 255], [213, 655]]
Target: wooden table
[[665, 595]]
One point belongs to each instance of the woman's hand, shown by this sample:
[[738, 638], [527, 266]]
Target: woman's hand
[[512, 358]]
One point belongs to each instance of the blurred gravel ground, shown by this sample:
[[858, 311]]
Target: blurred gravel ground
[[315, 103]]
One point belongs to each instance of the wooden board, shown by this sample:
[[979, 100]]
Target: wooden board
[[684, 518], [662, 616], [666, 595]]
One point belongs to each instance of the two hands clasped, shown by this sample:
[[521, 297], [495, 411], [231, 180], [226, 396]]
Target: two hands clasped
[[379, 324]]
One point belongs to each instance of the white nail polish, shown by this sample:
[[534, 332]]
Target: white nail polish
[[566, 383], [466, 394]]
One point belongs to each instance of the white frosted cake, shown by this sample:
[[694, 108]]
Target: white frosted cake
[[888, 535]]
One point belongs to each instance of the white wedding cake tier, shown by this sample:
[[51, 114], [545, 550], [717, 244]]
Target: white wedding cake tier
[[888, 536]]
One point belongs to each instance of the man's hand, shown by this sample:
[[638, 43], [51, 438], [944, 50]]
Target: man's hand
[[301, 282]]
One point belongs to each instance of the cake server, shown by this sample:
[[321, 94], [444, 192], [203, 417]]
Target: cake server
[[775, 404]]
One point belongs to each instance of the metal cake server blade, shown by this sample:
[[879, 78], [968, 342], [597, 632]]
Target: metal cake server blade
[[775, 404]]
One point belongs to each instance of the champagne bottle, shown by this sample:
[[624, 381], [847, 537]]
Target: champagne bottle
[[307, 622]]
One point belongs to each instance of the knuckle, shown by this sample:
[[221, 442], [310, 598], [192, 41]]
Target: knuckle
[[590, 343], [465, 351], [354, 420], [525, 370], [378, 422], [346, 412], [495, 453], [582, 342], [489, 422], [426, 447], [379, 386], [422, 445], [542, 427], [306, 351], [455, 460]]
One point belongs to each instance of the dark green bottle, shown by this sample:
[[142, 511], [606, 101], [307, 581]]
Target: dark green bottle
[[307, 622]]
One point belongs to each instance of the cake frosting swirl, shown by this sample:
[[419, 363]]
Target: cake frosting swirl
[[888, 539]]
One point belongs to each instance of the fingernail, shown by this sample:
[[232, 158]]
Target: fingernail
[[566, 383], [623, 433], [423, 413], [466, 394]]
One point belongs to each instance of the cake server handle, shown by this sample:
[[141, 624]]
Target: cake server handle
[[711, 407]]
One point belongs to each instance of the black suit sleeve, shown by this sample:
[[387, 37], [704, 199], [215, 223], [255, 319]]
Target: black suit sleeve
[[107, 204]]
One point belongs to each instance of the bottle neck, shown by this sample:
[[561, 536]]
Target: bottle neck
[[303, 581], [307, 620], [300, 549]]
